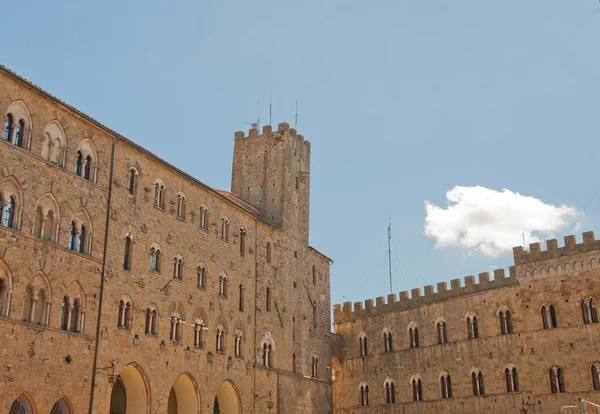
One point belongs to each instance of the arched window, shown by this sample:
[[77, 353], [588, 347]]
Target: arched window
[[477, 383], [8, 128], [238, 338], [75, 316], [390, 392], [21, 405], [241, 296], [199, 328], [151, 320], [511, 379], [220, 340], [505, 319], [9, 212], [47, 219], [203, 217], [224, 228], [178, 267], [364, 395], [268, 348], [181, 202], [362, 344], [81, 239], [596, 377], [128, 252], [472, 327], [60, 407], [413, 336], [79, 164], [387, 341], [446, 385], [557, 381], [442, 333], [155, 256], [19, 134], [417, 389], [315, 367], [65, 320], [588, 310], [201, 273], [159, 194], [242, 242], [314, 275], [268, 252], [548, 316], [3, 296], [73, 236], [223, 285], [87, 169], [132, 181], [175, 333], [268, 299], [125, 314]]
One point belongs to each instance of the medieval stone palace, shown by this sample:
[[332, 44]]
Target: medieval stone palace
[[128, 286], [523, 342]]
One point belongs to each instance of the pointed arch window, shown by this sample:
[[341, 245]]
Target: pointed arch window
[[132, 181], [220, 340], [237, 351], [477, 383], [387, 341], [79, 164], [60, 407], [417, 389], [201, 273], [73, 236], [199, 328], [177, 268], [413, 337], [87, 169], [128, 253], [223, 285], [442, 332], [159, 195], [505, 318], [224, 228], [596, 377], [81, 239], [548, 316], [588, 310], [364, 395], [390, 392], [21, 405], [472, 327], [175, 333], [242, 242], [151, 321], [155, 256], [446, 385], [203, 218], [512, 380], [125, 314], [362, 343], [557, 381], [181, 204], [9, 212], [8, 128], [19, 134]]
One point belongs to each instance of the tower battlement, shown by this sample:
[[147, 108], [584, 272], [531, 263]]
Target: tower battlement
[[552, 251]]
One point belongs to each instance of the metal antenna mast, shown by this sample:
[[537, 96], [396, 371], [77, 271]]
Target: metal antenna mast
[[270, 102], [296, 121], [390, 252]]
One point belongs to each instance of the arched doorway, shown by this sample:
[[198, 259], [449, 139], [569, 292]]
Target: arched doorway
[[227, 400], [183, 397], [129, 393]]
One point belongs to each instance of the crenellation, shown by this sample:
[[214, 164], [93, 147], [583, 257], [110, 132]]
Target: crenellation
[[442, 287], [429, 292], [348, 307], [358, 306], [379, 301], [404, 298], [484, 278], [391, 298], [369, 304], [498, 274], [522, 256], [267, 129], [283, 127], [469, 281], [239, 135], [455, 285], [253, 132], [415, 293]]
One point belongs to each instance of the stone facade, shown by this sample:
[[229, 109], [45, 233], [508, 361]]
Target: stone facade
[[236, 305], [539, 318]]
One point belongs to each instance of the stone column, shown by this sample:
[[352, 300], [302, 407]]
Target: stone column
[[32, 310]]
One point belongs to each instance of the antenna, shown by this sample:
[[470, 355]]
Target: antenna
[[270, 102], [296, 121], [255, 125], [390, 252], [523, 240]]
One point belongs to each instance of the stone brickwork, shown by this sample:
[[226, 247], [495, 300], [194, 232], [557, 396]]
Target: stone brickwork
[[94, 334], [561, 277]]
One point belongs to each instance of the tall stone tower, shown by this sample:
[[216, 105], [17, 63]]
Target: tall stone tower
[[272, 172]]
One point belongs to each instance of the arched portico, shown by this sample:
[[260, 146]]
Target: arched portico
[[183, 397], [227, 400], [129, 394]]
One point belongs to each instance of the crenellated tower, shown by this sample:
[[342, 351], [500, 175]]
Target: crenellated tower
[[271, 171]]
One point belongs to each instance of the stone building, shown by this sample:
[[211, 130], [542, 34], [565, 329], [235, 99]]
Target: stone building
[[528, 341], [128, 286]]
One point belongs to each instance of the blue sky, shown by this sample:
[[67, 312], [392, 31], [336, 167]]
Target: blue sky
[[401, 100]]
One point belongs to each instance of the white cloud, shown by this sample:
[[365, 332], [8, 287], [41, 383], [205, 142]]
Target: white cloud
[[491, 222]]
